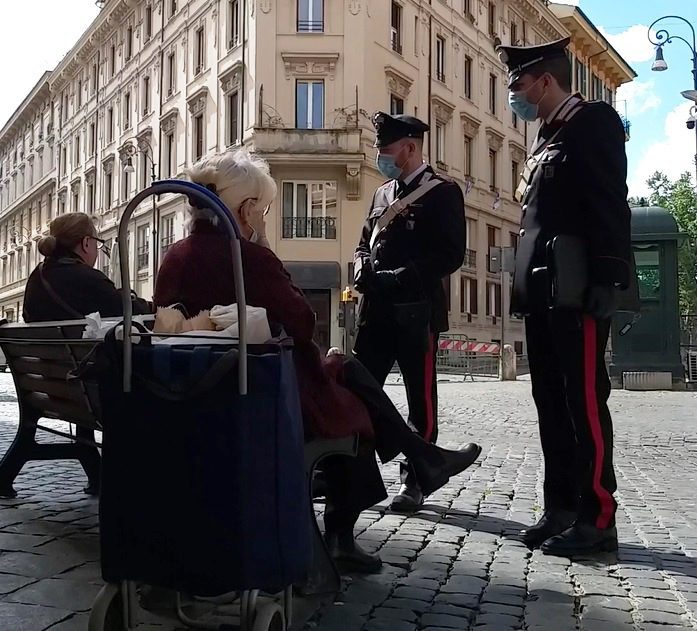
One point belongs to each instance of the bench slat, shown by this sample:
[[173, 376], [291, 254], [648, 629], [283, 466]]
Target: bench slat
[[56, 352], [60, 388], [71, 331], [64, 410], [47, 368]]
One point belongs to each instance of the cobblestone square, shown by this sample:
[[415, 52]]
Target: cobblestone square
[[457, 564]]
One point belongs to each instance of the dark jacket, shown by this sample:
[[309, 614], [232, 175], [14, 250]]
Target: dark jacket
[[426, 245], [197, 272], [579, 188], [81, 287]]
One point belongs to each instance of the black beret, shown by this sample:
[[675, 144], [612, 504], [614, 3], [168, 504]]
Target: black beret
[[389, 129], [521, 59]]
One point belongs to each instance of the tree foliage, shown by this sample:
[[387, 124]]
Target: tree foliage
[[680, 198]]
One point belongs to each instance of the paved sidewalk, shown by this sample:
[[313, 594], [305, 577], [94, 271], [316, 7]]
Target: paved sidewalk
[[455, 565]]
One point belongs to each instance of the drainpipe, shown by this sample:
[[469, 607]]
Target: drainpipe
[[244, 70]]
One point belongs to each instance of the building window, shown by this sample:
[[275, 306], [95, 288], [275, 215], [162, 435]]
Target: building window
[[143, 247], [89, 198], [493, 236], [112, 60], [310, 16], [309, 210], [234, 23], [110, 124], [609, 96], [396, 105], [78, 94], [64, 161], [65, 111], [468, 295], [93, 80], [129, 43], [200, 51], [233, 105], [172, 7], [105, 267], [396, 29], [309, 104], [491, 18], [146, 95], [77, 151], [493, 158], [581, 77], [514, 33], [513, 237], [171, 73], [515, 174], [467, 167], [167, 233], [93, 139], [108, 190], [440, 144], [492, 94], [493, 299], [144, 172], [127, 110], [148, 22], [440, 58], [76, 201], [514, 120], [199, 147], [125, 185], [468, 76], [169, 155]]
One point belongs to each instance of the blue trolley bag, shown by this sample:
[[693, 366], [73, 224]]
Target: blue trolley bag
[[203, 484], [203, 489]]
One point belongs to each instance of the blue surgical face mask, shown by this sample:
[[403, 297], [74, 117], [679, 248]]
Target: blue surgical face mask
[[522, 106], [386, 164]]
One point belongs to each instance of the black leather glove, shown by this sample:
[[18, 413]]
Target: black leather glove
[[362, 277], [385, 282], [601, 301]]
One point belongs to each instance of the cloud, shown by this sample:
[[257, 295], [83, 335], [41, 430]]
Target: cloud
[[673, 155], [639, 97], [633, 44]]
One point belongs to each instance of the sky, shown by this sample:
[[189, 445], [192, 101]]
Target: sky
[[36, 34]]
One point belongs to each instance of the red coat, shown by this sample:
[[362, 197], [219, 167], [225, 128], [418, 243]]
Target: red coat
[[197, 272]]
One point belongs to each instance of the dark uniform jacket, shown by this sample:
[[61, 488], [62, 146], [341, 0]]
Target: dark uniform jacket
[[578, 188], [426, 245], [81, 287]]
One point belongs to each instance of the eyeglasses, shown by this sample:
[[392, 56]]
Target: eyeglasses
[[102, 245]]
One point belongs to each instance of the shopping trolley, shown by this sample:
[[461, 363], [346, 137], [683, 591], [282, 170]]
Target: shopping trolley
[[203, 484]]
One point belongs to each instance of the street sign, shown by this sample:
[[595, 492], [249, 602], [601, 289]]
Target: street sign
[[501, 259]]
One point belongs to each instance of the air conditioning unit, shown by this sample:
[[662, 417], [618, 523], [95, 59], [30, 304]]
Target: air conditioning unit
[[692, 366]]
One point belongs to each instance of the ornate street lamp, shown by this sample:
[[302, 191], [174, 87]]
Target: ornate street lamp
[[659, 40]]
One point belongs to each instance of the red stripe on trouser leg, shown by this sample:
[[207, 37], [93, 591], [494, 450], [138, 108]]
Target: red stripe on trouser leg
[[590, 350], [428, 390]]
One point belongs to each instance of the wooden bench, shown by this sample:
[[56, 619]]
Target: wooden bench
[[41, 357]]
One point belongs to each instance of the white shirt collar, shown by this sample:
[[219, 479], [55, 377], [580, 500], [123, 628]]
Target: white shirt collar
[[558, 109], [412, 176]]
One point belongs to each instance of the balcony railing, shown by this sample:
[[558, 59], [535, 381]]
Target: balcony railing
[[310, 26], [165, 243], [470, 261], [309, 227], [395, 41]]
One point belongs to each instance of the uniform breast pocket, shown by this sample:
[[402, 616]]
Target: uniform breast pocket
[[553, 162]]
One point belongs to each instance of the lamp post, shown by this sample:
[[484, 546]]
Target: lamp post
[[146, 150], [659, 40]]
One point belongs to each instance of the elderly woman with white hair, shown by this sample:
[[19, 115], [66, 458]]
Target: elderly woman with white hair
[[338, 395]]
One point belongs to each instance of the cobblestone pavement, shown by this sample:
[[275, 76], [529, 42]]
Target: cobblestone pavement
[[457, 563]]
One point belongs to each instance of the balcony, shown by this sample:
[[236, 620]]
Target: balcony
[[309, 227], [310, 26], [280, 144], [470, 261]]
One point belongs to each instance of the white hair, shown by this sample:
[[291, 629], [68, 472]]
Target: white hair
[[235, 176]]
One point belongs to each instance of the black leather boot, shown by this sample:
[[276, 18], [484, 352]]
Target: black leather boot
[[581, 539], [434, 466], [552, 522], [408, 500], [349, 556]]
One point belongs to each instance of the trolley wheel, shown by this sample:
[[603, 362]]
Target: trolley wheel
[[107, 611], [269, 618]]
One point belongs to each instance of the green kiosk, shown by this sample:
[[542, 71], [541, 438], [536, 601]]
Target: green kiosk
[[646, 356]]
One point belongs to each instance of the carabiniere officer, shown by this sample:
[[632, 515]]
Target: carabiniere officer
[[574, 183], [413, 239]]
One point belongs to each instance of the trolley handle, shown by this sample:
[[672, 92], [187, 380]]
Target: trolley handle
[[207, 199]]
